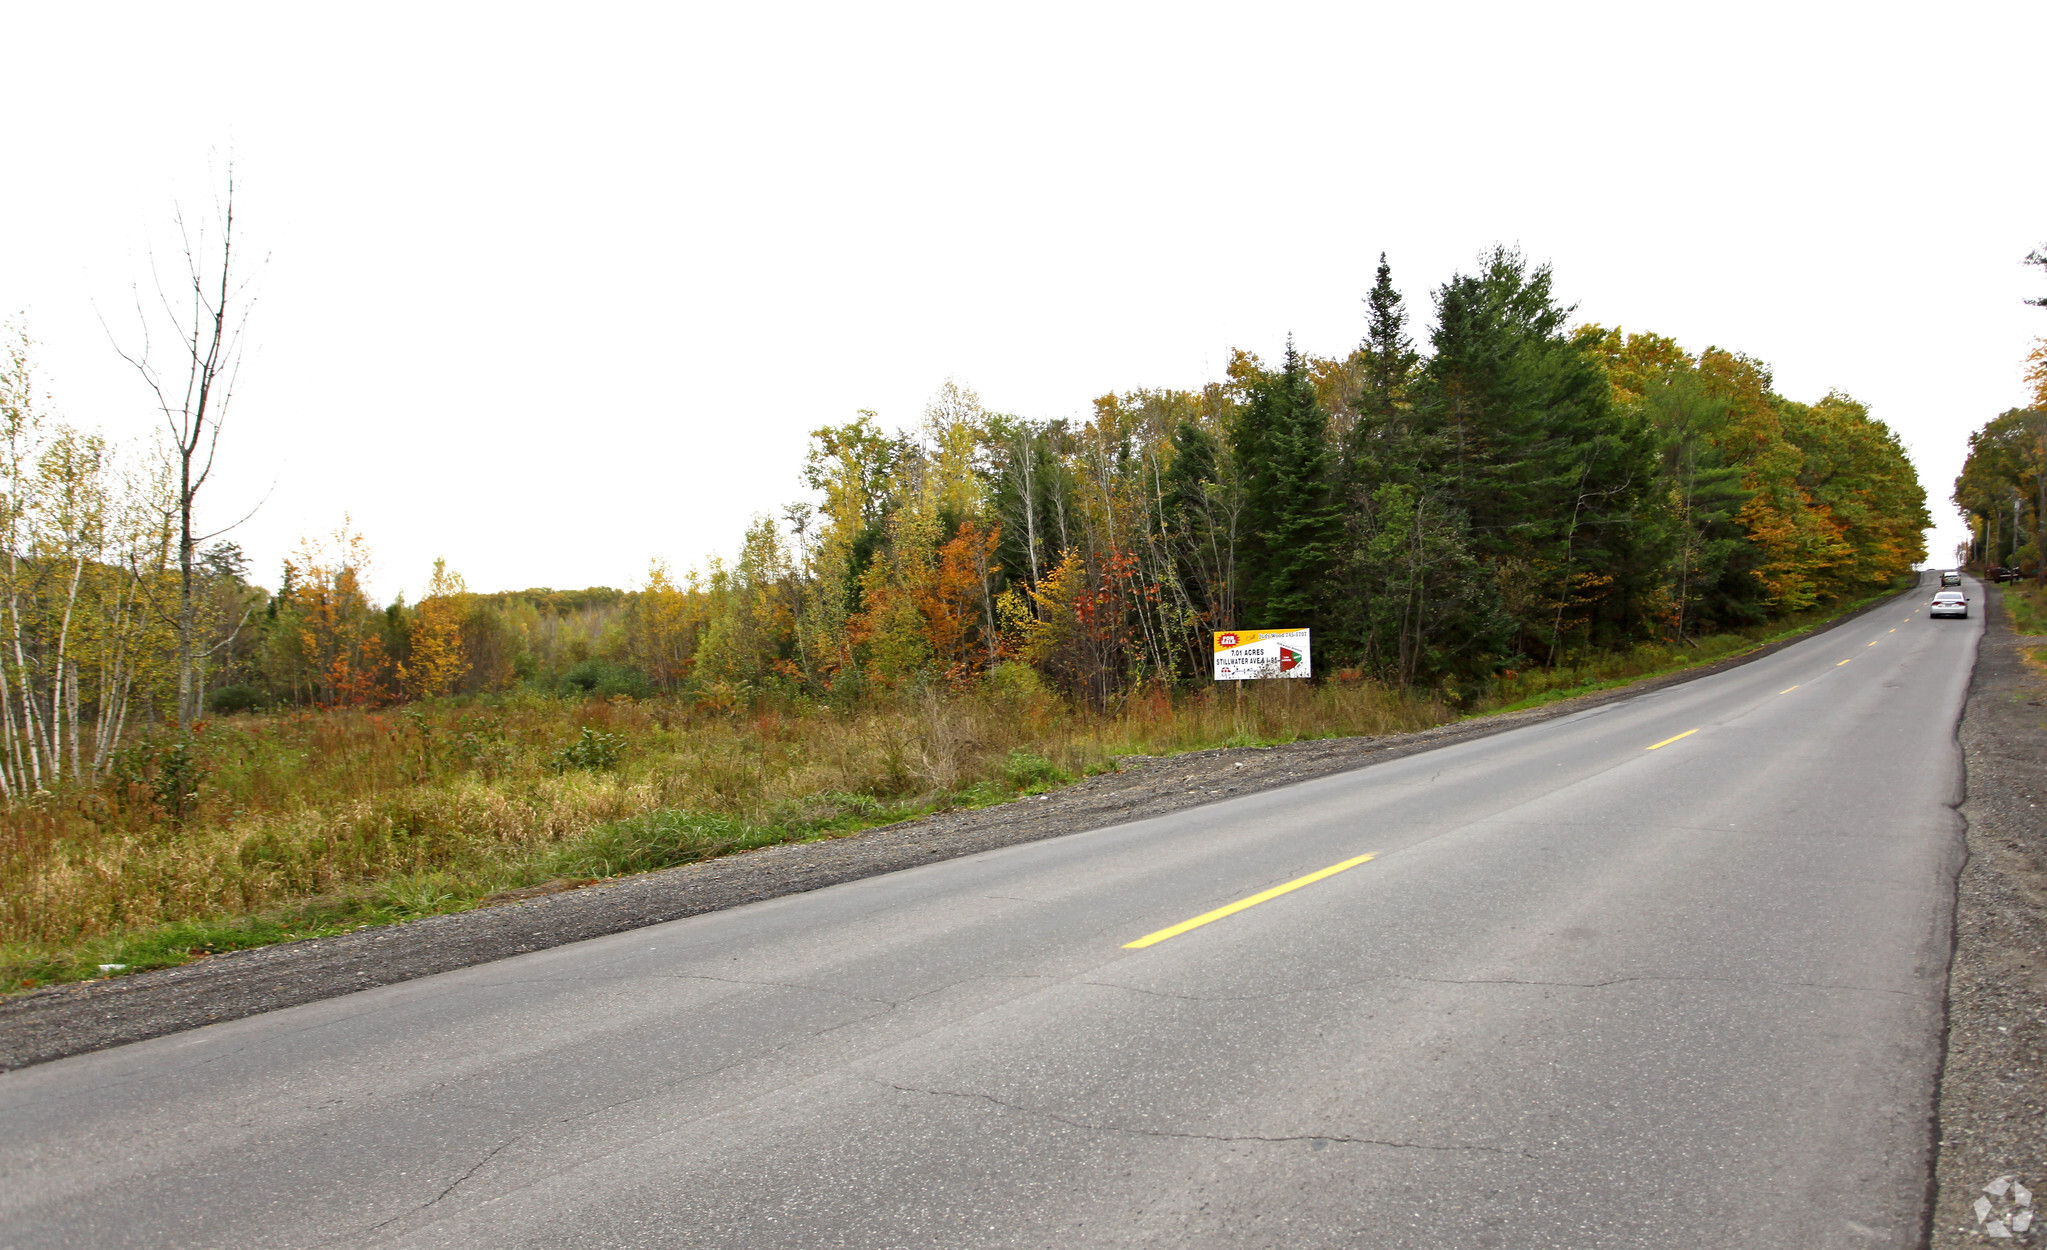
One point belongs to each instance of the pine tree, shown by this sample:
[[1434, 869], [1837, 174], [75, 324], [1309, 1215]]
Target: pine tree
[[1537, 456], [1387, 358], [1281, 441]]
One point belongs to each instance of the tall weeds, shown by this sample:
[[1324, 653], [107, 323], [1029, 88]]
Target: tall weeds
[[347, 813], [311, 804]]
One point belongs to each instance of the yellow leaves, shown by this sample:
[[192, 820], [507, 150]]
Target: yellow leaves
[[1633, 361], [2036, 373], [437, 661], [954, 421], [444, 584], [340, 647], [1055, 622], [658, 628]]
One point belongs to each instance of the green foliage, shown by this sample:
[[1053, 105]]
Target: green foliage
[[604, 679], [1514, 492], [419, 893], [1029, 772], [592, 751], [657, 840], [1014, 681], [227, 700], [978, 605], [2026, 606], [2003, 488], [168, 767], [1281, 445]]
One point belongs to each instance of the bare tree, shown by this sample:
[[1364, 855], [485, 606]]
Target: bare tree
[[209, 331]]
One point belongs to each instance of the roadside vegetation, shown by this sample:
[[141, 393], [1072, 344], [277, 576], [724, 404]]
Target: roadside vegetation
[[2026, 605], [983, 606], [313, 822]]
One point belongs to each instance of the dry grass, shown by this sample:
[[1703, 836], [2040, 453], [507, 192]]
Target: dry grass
[[313, 821], [453, 802]]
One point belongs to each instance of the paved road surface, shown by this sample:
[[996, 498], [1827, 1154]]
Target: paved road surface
[[1590, 991]]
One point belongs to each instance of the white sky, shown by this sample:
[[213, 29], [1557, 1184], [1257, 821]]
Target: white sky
[[555, 290]]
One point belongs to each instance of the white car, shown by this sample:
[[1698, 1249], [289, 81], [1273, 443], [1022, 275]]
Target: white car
[[1949, 603]]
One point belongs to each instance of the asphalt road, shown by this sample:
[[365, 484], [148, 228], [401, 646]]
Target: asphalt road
[[1668, 972]]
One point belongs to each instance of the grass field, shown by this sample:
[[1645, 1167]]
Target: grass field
[[261, 829]]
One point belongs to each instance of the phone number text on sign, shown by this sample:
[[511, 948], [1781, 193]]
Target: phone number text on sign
[[1247, 654]]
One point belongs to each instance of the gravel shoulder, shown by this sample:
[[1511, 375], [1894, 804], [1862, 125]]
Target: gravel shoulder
[[1993, 1094], [74, 1019]]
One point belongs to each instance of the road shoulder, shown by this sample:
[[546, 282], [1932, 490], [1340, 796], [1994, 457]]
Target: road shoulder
[[1992, 1121]]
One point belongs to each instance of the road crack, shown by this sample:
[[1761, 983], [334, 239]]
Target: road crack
[[1177, 1135], [474, 1168]]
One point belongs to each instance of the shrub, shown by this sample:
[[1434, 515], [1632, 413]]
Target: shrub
[[168, 768], [1012, 680], [653, 840], [228, 700], [606, 680], [1027, 771], [593, 750]]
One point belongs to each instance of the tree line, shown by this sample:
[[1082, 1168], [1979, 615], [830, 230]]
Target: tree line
[[1509, 491], [2002, 487]]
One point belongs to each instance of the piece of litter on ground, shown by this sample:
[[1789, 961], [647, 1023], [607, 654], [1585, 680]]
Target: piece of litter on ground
[[113, 967], [1997, 1187], [2021, 1195], [1996, 1228], [2022, 1221], [1982, 1209]]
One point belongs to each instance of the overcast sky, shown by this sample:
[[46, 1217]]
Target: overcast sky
[[552, 291]]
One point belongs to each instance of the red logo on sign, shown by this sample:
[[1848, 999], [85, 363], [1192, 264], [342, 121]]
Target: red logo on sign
[[1288, 658], [1225, 640]]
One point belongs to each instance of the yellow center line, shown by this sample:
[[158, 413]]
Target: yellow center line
[[1787, 691], [1872, 644], [1892, 630], [1667, 741], [1844, 661], [1150, 939]]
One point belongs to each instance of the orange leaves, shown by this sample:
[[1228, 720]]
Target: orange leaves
[[1084, 633], [361, 678], [341, 649], [1103, 608], [954, 597], [922, 605]]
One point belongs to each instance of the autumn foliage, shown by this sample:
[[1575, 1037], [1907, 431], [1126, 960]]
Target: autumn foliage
[[1515, 492]]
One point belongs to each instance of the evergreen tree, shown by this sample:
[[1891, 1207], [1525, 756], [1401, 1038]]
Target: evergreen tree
[[1200, 507], [1524, 431], [1387, 359], [1281, 443]]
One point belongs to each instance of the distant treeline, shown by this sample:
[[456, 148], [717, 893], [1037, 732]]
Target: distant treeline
[[1515, 493], [2002, 488]]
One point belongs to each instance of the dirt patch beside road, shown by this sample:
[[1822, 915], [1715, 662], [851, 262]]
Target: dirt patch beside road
[[1993, 1093], [73, 1019]]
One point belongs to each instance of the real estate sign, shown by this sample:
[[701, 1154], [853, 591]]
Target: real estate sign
[[1241, 654]]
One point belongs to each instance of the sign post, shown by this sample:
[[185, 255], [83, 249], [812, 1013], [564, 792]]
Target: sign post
[[1248, 654]]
